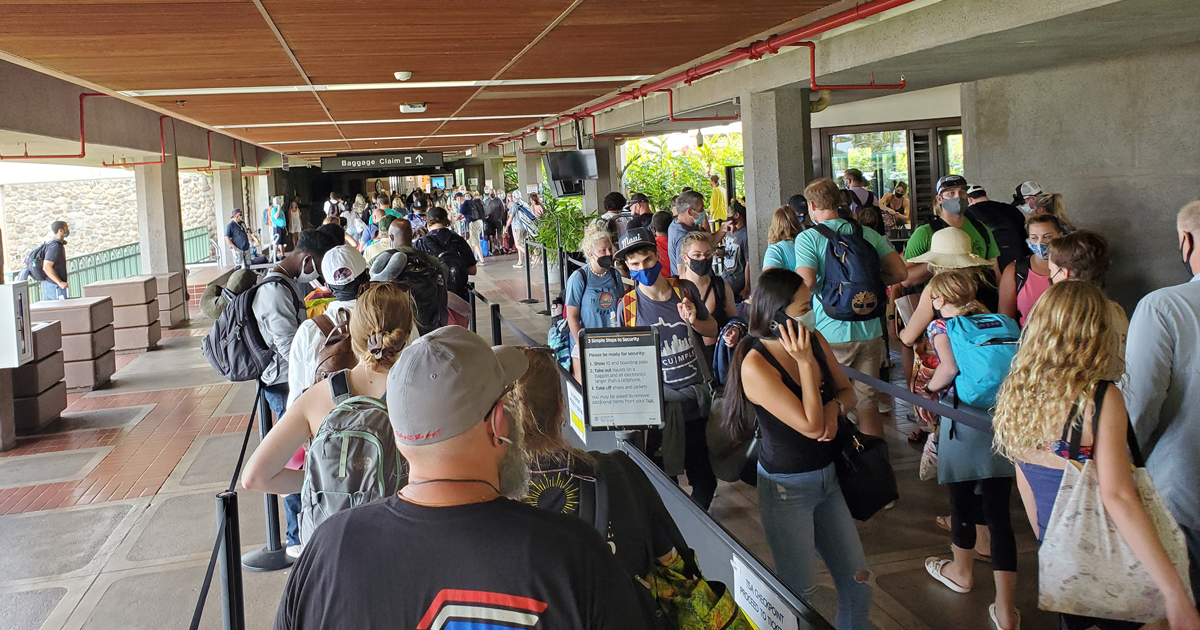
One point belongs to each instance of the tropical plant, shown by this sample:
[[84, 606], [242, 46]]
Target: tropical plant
[[510, 177], [653, 169], [565, 214]]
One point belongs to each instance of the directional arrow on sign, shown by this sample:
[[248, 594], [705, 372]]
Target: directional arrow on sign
[[420, 159]]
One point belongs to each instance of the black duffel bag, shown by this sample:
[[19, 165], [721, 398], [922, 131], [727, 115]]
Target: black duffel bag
[[864, 471]]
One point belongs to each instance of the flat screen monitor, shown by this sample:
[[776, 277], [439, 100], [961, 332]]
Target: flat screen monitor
[[571, 165], [438, 182], [566, 188]]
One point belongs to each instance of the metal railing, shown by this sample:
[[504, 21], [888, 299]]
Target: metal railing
[[197, 245]]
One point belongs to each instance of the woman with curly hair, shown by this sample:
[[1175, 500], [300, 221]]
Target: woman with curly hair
[[1059, 377]]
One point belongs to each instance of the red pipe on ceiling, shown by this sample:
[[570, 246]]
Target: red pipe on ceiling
[[757, 50], [162, 142], [82, 141], [209, 168], [673, 118], [256, 173], [814, 86]]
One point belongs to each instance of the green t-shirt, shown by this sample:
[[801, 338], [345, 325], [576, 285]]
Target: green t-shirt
[[810, 252], [921, 238]]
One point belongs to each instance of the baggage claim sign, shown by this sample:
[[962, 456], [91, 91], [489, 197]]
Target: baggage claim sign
[[381, 161]]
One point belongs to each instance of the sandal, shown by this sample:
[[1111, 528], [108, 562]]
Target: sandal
[[934, 566], [996, 624], [944, 523]]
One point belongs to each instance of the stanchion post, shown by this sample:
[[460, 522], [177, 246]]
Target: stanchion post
[[273, 557], [546, 279], [233, 606], [528, 280], [471, 322], [497, 330]]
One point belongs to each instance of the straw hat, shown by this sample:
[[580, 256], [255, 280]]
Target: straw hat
[[950, 248]]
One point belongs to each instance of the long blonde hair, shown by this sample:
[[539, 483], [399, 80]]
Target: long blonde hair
[[381, 324], [1066, 348]]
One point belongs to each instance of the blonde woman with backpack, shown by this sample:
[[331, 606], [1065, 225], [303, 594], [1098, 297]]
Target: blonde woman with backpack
[[380, 326], [1058, 379]]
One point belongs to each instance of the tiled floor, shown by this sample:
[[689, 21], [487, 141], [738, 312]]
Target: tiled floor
[[124, 544]]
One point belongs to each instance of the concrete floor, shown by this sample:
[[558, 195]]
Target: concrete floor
[[110, 516]]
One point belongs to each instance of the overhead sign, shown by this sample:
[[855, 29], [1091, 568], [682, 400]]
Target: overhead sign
[[761, 604], [284, 157], [380, 161], [622, 386]]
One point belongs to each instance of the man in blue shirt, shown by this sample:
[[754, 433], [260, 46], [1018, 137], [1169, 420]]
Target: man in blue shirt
[[1162, 393], [858, 345], [689, 207], [239, 242]]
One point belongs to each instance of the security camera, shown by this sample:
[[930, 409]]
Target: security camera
[[542, 136], [403, 75]]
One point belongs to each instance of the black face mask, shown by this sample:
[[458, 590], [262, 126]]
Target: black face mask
[[605, 262], [701, 267], [349, 291], [1189, 241]]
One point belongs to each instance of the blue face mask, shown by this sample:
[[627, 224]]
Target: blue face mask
[[1041, 250], [646, 277]]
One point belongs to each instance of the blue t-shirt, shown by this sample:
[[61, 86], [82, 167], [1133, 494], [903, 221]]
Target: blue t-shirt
[[781, 255], [236, 232], [675, 234], [810, 252], [598, 301]]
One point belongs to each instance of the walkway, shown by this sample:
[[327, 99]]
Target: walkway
[[108, 516]]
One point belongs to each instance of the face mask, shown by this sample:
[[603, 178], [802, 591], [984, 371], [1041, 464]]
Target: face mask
[[953, 206], [1041, 250], [701, 267], [808, 320], [898, 194], [1188, 241], [647, 277], [349, 291], [66, 233], [605, 262], [306, 277]]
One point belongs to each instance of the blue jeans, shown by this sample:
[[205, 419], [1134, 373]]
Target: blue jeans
[[803, 513], [276, 396], [51, 291]]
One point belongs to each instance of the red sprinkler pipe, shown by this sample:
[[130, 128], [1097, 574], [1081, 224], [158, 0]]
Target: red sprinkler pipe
[[757, 50], [673, 118], [209, 168], [814, 86], [611, 136], [82, 141], [256, 173], [162, 142]]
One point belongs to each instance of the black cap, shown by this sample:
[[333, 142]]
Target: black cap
[[636, 198], [951, 181], [635, 239]]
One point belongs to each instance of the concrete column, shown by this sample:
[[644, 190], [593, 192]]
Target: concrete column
[[160, 220], [608, 171], [493, 169], [228, 193], [262, 200], [529, 173], [777, 150]]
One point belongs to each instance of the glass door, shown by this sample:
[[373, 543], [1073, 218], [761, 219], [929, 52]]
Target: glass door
[[882, 156]]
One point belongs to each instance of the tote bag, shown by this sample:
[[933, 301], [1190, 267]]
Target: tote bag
[[1085, 567]]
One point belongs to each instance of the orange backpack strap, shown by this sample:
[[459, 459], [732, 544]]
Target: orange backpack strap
[[629, 302]]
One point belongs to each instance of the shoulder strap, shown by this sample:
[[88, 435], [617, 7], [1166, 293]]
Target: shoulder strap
[[825, 231], [324, 324], [299, 300], [1022, 272], [612, 271], [1135, 451], [982, 228], [600, 507], [339, 386]]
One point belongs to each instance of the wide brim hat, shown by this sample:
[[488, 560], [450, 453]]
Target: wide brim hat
[[950, 248]]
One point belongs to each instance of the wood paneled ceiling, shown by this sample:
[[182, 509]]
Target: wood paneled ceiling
[[225, 47]]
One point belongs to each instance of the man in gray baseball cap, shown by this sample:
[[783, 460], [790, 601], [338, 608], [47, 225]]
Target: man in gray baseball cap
[[450, 543]]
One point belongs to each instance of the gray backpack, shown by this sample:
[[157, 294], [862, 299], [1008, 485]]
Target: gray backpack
[[352, 460]]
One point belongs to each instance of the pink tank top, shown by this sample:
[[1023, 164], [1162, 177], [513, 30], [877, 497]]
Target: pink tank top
[[1035, 286]]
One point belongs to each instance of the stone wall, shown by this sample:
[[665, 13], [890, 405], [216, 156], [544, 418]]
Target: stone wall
[[102, 213]]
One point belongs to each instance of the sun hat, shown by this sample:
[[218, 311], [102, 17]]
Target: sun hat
[[444, 384], [950, 248]]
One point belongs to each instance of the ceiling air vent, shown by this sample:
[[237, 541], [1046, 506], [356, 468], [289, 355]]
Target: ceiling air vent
[[412, 108]]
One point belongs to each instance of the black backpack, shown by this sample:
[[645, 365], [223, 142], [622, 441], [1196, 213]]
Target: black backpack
[[871, 201], [854, 290], [235, 347], [427, 286], [452, 262], [34, 262], [475, 210]]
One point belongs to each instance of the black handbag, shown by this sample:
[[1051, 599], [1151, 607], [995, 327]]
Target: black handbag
[[864, 471]]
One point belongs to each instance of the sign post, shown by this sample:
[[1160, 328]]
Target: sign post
[[622, 389], [381, 161]]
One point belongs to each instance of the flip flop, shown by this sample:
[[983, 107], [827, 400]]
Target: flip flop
[[934, 566], [944, 522], [996, 624]]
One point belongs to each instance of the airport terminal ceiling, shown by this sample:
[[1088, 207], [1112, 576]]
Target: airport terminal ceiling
[[313, 77]]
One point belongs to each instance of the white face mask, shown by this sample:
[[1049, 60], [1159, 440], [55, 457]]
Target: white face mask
[[808, 320], [306, 277]]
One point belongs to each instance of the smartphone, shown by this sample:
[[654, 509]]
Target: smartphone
[[779, 321]]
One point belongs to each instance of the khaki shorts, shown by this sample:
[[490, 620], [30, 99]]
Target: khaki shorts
[[866, 357], [475, 229]]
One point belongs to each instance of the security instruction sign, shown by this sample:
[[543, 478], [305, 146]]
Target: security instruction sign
[[381, 161], [761, 604], [575, 408], [621, 382]]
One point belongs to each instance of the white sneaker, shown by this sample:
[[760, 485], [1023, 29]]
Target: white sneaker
[[293, 551], [518, 266]]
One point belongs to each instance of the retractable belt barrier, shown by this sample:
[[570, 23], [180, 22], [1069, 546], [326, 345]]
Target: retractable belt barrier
[[977, 422]]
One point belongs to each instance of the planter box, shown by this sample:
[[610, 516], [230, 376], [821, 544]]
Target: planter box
[[168, 282], [137, 339], [173, 317], [77, 315], [32, 414], [126, 291], [89, 375], [47, 339], [140, 315], [36, 377], [87, 346]]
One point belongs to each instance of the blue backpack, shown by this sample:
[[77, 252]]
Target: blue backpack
[[559, 340], [854, 290], [984, 346]]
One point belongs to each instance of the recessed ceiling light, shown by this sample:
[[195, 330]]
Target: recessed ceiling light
[[403, 75], [412, 108]]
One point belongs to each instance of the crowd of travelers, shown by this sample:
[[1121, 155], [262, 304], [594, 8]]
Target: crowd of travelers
[[995, 309]]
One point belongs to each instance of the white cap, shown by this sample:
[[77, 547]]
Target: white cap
[[1030, 188], [342, 265]]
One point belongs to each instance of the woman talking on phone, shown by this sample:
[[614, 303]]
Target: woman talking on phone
[[782, 378]]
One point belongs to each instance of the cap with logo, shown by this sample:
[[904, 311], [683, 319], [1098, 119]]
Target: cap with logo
[[634, 239], [444, 384], [342, 264], [1030, 188], [951, 181], [975, 190]]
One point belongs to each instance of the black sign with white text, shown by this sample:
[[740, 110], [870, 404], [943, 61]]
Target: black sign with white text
[[381, 161]]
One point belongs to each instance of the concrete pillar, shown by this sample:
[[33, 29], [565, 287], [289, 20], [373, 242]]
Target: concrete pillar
[[608, 171], [529, 173], [160, 220], [228, 193], [262, 200], [493, 170], [777, 151]]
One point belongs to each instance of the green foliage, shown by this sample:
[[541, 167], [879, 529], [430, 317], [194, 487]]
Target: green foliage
[[510, 176], [651, 168], [567, 212]]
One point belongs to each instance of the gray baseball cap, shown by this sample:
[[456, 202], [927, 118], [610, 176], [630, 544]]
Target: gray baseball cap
[[445, 383]]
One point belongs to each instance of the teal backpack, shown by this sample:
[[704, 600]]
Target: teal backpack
[[984, 346]]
